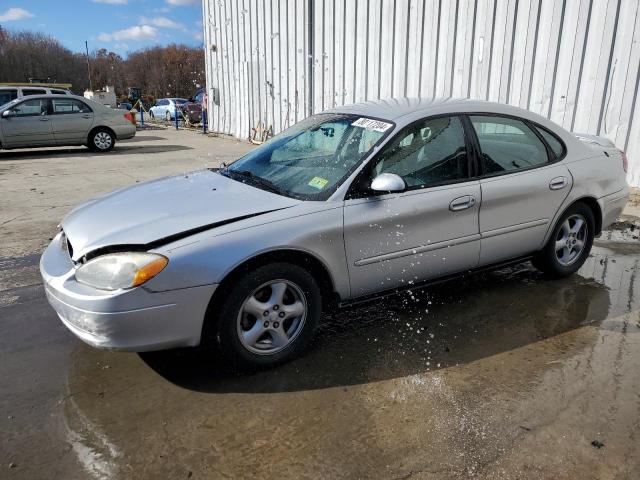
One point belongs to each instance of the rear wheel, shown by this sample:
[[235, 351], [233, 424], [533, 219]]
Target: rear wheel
[[569, 244], [101, 140], [151, 115], [268, 316]]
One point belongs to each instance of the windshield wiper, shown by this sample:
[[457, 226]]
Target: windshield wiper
[[255, 179]]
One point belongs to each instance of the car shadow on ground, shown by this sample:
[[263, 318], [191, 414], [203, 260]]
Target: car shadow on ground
[[82, 152], [446, 325], [145, 138]]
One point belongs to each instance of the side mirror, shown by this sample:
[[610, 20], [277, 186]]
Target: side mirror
[[7, 113], [388, 182]]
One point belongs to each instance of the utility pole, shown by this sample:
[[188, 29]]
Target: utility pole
[[86, 45]]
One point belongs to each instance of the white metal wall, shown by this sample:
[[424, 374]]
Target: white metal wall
[[574, 61]]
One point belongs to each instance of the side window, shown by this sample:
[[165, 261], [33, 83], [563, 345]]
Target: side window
[[39, 106], [33, 91], [198, 97], [507, 144], [428, 152], [552, 140], [58, 92], [69, 105], [7, 95]]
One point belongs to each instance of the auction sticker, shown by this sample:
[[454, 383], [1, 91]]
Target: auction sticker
[[371, 124], [318, 182]]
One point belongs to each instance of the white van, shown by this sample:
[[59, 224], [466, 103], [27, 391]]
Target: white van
[[8, 93]]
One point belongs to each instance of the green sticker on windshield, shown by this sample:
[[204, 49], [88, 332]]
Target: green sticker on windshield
[[318, 182]]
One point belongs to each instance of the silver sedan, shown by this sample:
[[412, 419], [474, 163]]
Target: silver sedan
[[357, 202], [62, 120]]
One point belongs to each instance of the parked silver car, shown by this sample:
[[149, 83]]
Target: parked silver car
[[56, 120], [356, 202], [166, 108]]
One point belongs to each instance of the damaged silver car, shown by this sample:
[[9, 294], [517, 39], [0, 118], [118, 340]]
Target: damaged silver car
[[346, 205]]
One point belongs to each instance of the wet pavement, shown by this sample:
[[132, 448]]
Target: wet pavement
[[501, 375], [505, 375]]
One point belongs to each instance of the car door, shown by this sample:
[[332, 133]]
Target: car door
[[522, 187], [428, 230], [28, 124], [71, 120]]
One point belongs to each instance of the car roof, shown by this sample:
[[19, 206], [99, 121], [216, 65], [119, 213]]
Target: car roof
[[37, 87], [395, 108], [53, 95]]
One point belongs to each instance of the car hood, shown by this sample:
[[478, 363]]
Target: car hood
[[164, 210]]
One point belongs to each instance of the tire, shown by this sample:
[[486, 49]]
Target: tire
[[285, 316], [151, 115], [167, 116], [101, 140], [569, 244]]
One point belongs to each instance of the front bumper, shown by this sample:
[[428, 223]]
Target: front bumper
[[134, 320]]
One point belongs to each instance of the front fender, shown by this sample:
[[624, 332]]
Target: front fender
[[208, 257]]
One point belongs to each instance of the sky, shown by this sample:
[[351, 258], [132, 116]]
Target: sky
[[117, 25]]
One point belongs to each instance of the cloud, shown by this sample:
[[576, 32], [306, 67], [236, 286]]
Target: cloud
[[138, 32], [161, 22], [112, 2], [15, 14], [198, 36], [162, 10], [121, 46], [183, 3]]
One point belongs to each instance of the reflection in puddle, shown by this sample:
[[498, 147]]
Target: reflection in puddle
[[96, 454]]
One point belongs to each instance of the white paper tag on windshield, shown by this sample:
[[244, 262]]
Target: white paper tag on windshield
[[371, 124]]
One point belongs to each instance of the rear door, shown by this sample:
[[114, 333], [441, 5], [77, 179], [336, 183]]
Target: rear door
[[522, 187], [29, 124], [71, 120], [429, 230]]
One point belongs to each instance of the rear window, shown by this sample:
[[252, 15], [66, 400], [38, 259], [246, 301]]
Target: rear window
[[553, 141], [71, 105], [507, 144], [33, 91], [7, 95]]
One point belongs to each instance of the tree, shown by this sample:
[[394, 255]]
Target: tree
[[171, 71]]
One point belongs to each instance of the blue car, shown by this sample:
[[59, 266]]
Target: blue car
[[166, 108]]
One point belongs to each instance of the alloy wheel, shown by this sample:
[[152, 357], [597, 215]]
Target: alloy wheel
[[571, 240], [271, 317], [102, 140]]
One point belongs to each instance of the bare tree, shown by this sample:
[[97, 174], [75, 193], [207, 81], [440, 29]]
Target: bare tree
[[171, 71]]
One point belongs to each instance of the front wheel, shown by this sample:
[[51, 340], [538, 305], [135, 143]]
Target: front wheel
[[570, 243], [101, 140], [268, 316], [167, 116]]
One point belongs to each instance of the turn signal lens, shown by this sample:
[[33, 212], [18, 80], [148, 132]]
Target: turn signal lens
[[149, 271]]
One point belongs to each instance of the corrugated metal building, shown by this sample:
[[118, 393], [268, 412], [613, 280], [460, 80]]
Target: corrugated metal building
[[574, 61]]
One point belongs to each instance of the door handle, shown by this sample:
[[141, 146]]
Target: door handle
[[462, 203], [44, 119], [558, 183], [86, 116]]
